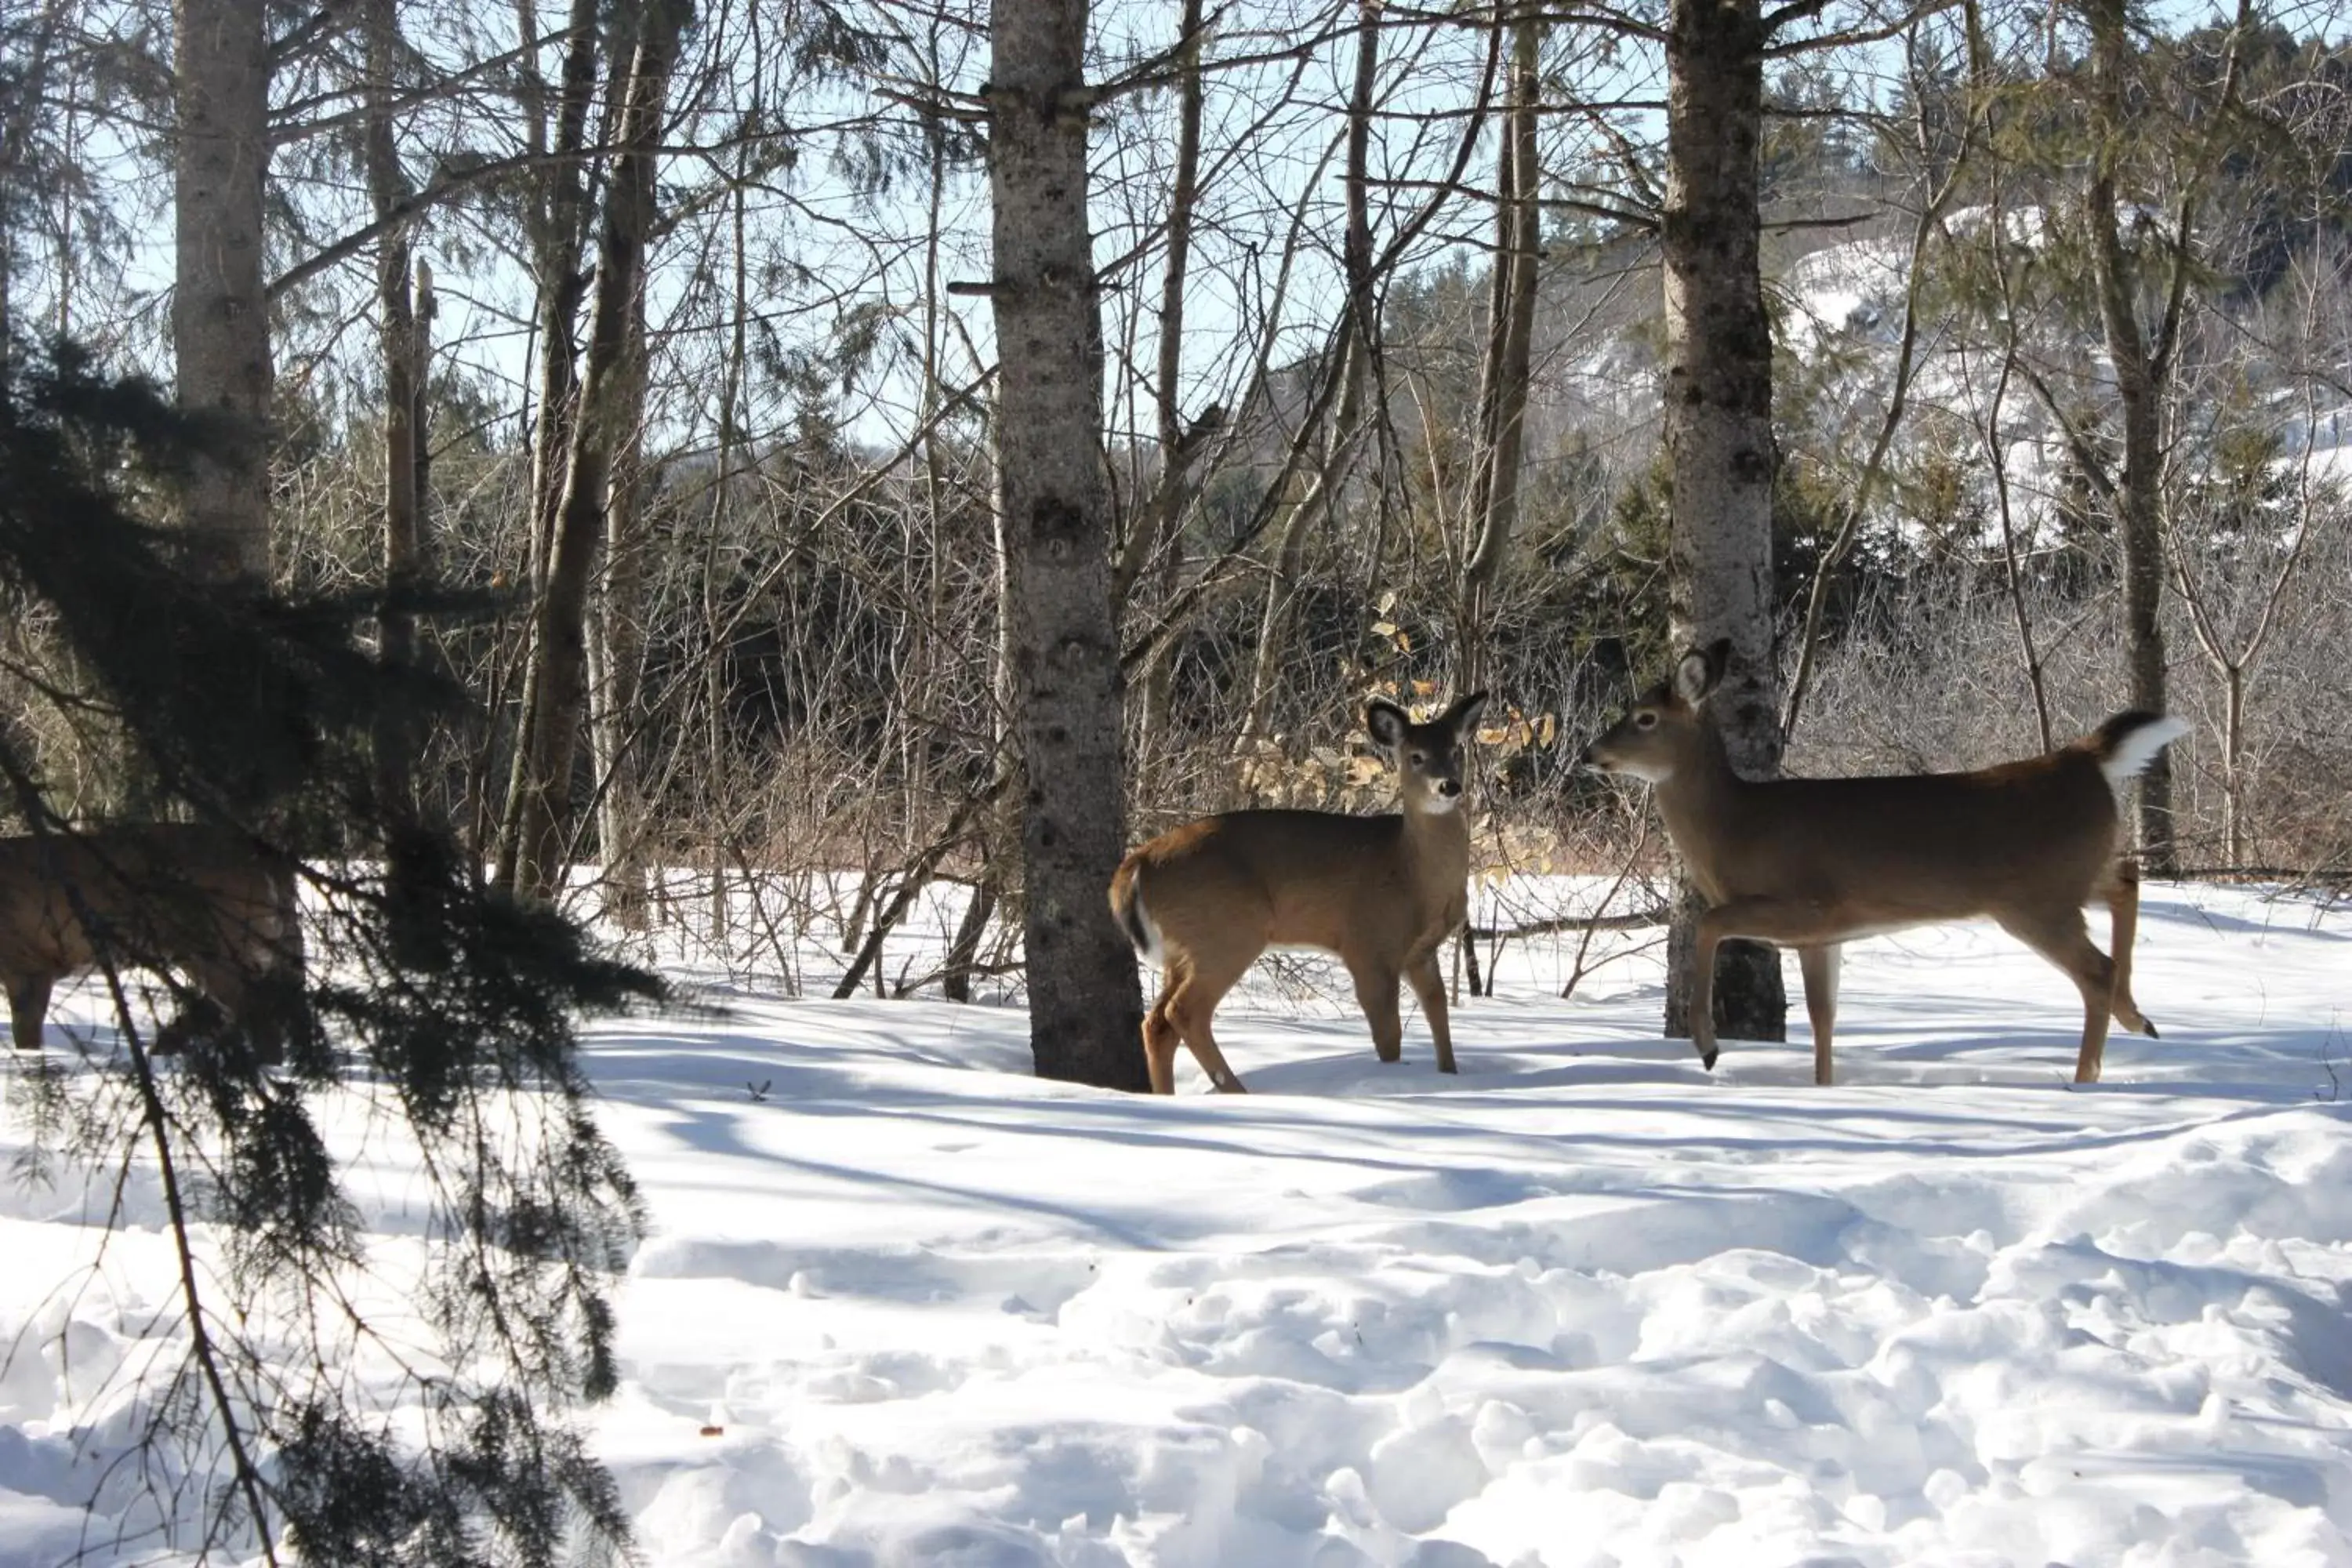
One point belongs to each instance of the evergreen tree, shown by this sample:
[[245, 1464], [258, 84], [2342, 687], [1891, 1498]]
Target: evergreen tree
[[318, 1405]]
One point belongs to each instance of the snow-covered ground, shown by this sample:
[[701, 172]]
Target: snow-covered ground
[[1582, 1305]]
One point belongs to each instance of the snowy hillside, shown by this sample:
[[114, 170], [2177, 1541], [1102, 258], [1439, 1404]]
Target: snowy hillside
[[1583, 1305]]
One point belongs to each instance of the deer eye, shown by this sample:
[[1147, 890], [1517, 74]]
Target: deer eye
[[1418, 759], [1645, 720]]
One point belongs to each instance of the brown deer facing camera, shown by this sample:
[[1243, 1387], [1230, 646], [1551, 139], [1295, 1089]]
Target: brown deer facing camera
[[1383, 892], [201, 900], [1812, 863]]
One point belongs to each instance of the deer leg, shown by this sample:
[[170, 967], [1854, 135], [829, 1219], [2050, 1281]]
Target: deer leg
[[1189, 1005], [1160, 1039], [1376, 993], [2121, 893], [2062, 939], [1819, 964], [1783, 923], [1429, 985], [1702, 997], [29, 1005]]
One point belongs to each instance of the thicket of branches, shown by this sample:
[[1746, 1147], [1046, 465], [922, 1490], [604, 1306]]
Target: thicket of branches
[[790, 616]]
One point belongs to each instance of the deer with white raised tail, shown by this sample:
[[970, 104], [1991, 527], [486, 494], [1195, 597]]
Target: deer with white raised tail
[[1203, 900], [1814, 863]]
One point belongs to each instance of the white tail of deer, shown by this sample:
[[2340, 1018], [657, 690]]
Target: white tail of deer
[[202, 901], [1383, 892], [1812, 863]]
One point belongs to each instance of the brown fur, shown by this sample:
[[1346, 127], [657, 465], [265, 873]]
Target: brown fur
[[1812, 863], [1382, 892], [197, 900]]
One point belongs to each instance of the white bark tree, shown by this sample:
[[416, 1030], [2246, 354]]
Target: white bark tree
[[1085, 1008]]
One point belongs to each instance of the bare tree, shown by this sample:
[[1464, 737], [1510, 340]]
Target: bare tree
[[401, 327], [531, 851], [2145, 352], [1510, 332]]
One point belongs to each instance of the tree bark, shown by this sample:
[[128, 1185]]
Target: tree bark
[[617, 648], [557, 221], [530, 859], [220, 310], [556, 225], [1718, 435], [2138, 495], [1086, 1010]]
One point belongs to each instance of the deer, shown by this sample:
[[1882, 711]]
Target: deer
[[1814, 863], [203, 901], [1204, 901]]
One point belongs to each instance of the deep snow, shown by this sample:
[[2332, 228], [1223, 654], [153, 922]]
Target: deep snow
[[1583, 1304]]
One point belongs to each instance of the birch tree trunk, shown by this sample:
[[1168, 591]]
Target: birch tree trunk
[[220, 312], [1085, 1012], [1718, 433]]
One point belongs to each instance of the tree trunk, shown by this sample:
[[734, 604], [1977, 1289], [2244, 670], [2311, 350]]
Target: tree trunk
[[964, 952], [530, 860], [220, 311], [396, 739], [2233, 765], [1718, 435], [2138, 499], [555, 222], [618, 650], [1086, 1010], [558, 223], [1503, 401]]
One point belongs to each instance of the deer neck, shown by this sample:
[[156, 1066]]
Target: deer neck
[[1437, 844], [1702, 799]]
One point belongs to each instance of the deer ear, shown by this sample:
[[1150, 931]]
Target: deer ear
[[1462, 717], [1697, 673], [1386, 722]]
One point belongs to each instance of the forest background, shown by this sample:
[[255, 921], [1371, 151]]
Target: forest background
[[1328, 474]]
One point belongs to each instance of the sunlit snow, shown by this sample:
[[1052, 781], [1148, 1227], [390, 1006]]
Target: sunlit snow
[[1584, 1304]]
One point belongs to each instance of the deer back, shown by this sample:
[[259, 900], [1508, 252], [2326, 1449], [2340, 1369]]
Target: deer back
[[156, 892]]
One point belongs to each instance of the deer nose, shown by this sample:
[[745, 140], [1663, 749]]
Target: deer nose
[[1449, 787]]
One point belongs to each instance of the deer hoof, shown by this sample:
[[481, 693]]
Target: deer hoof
[[1706, 1055]]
